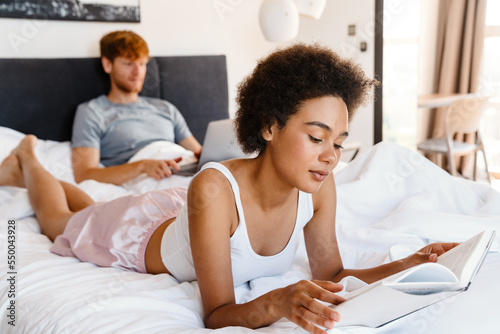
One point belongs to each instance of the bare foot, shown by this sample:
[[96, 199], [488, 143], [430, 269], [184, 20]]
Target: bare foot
[[26, 146], [11, 173]]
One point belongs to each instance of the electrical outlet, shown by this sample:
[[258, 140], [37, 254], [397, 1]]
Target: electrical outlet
[[351, 30], [363, 46]]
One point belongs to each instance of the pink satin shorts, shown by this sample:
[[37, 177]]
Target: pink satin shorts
[[116, 233]]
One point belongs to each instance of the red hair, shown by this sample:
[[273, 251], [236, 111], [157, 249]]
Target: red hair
[[123, 43]]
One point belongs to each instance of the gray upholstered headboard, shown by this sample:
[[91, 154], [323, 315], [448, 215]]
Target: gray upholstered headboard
[[40, 96]]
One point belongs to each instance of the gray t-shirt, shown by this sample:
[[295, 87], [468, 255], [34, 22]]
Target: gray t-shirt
[[118, 131]]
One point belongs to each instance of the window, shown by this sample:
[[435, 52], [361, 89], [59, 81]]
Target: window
[[400, 66], [490, 86], [401, 31]]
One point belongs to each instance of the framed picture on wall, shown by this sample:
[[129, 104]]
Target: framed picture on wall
[[75, 10]]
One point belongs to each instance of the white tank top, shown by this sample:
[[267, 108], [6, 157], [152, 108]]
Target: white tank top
[[246, 264]]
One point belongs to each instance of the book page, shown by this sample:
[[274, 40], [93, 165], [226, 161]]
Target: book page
[[426, 278], [423, 288], [466, 259], [456, 258], [427, 272]]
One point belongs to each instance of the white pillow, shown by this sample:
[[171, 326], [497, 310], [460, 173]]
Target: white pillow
[[164, 150], [54, 156], [10, 139]]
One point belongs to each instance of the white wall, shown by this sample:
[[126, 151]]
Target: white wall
[[190, 27]]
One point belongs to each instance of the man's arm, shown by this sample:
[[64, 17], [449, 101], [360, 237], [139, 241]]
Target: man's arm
[[85, 161], [190, 143]]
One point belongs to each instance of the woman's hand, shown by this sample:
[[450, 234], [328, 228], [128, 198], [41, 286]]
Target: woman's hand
[[429, 253], [297, 303]]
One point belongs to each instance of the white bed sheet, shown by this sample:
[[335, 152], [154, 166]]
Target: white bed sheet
[[390, 203]]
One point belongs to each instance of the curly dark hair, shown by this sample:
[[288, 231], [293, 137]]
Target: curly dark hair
[[288, 77]]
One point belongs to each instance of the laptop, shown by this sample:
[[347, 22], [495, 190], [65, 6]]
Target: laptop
[[220, 144]]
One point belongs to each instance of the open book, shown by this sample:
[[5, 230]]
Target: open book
[[417, 287]]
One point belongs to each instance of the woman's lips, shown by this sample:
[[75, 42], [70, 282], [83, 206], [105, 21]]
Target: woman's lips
[[319, 175]]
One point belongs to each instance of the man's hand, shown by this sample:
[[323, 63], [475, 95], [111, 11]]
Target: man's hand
[[85, 162], [159, 169]]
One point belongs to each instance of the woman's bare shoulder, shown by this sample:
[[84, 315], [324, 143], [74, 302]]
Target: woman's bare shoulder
[[209, 180], [210, 191]]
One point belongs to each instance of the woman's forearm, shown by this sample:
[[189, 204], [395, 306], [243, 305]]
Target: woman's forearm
[[299, 303], [257, 313], [371, 275]]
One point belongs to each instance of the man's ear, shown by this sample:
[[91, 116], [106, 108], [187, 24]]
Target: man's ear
[[107, 64]]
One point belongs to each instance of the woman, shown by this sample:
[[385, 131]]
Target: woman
[[242, 216]]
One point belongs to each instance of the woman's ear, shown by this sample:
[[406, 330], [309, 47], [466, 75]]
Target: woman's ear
[[268, 132]]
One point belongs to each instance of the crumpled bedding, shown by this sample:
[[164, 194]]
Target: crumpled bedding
[[391, 202]]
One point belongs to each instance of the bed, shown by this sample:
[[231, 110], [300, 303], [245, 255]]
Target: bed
[[391, 202]]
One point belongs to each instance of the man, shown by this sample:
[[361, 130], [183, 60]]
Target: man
[[111, 128]]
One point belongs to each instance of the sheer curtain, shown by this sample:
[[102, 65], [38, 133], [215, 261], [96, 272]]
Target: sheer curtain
[[459, 48]]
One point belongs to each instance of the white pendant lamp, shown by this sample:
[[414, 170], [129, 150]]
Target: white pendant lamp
[[311, 8], [279, 20]]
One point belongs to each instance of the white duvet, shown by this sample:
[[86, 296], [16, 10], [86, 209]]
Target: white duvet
[[391, 202]]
